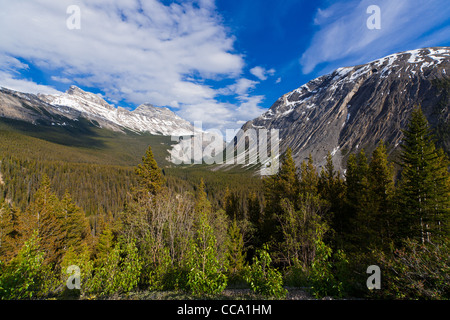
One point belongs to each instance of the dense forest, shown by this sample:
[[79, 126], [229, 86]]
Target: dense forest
[[152, 227]]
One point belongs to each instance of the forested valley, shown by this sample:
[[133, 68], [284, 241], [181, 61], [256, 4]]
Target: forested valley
[[151, 227]]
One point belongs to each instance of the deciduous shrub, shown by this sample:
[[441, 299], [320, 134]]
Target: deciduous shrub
[[264, 279]]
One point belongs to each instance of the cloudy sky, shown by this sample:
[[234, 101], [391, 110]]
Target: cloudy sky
[[221, 62]]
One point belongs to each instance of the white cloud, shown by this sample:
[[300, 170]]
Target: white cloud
[[136, 51], [241, 87], [343, 37], [61, 79], [262, 73], [23, 85]]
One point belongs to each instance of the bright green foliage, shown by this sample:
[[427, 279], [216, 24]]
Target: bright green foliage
[[263, 278], [300, 229], [160, 268], [119, 270], [424, 187], [322, 274], [235, 249], [80, 257], [205, 270], [26, 276]]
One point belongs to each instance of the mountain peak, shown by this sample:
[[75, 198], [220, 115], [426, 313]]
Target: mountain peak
[[355, 107], [145, 118]]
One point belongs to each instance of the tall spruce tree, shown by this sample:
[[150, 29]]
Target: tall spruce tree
[[44, 216], [357, 200], [424, 188], [149, 175], [283, 185], [331, 188], [380, 211], [309, 178]]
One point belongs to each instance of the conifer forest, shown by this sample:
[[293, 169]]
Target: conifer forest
[[133, 226]]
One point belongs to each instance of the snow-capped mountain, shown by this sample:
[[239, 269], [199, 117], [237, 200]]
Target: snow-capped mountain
[[64, 109], [145, 118], [354, 107]]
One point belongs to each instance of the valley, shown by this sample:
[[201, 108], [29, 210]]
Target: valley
[[363, 177]]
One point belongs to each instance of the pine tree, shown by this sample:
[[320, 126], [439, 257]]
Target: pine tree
[[380, 212], [283, 185], [150, 177], [357, 199], [331, 188], [308, 178], [202, 203], [44, 216], [235, 249], [9, 233], [75, 224], [424, 192]]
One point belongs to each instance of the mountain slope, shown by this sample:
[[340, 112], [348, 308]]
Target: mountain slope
[[145, 118], [67, 108], [354, 107]]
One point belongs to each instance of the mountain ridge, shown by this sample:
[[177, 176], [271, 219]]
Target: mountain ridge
[[64, 109], [353, 108]]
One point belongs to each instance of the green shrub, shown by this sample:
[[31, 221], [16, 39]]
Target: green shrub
[[82, 260], [205, 274], [118, 271], [264, 279], [323, 275], [417, 271], [26, 276]]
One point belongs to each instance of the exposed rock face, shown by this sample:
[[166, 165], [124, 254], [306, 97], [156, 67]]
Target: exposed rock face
[[75, 103], [354, 107]]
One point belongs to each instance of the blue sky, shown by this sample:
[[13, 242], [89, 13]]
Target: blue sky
[[221, 62]]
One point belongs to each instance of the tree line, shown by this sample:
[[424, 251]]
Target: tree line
[[304, 228]]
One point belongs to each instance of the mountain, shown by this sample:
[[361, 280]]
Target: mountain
[[353, 108], [67, 108]]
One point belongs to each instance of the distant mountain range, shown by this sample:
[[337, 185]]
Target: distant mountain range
[[65, 109], [349, 109], [355, 107]]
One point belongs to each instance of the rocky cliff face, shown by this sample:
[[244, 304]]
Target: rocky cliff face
[[355, 107]]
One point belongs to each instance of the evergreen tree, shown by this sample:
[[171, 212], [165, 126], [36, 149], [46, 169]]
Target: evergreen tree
[[44, 216], [235, 249], [202, 203], [283, 185], [308, 178], [424, 193], [380, 213], [75, 224], [331, 189], [150, 177], [357, 200], [9, 242]]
